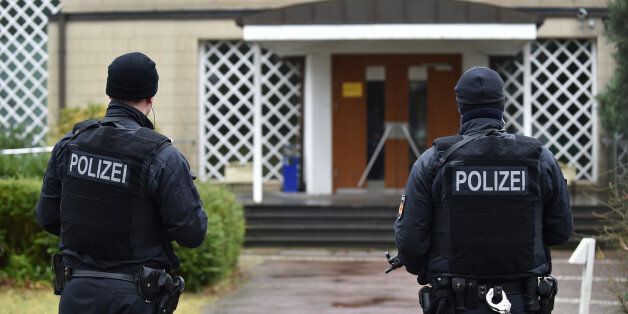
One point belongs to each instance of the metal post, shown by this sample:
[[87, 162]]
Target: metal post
[[257, 125], [527, 90], [585, 255], [378, 149]]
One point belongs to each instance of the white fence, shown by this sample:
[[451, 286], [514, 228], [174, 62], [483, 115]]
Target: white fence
[[23, 66], [550, 95], [226, 110]]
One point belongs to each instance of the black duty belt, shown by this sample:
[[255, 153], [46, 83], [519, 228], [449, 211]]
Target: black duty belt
[[508, 287], [74, 273]]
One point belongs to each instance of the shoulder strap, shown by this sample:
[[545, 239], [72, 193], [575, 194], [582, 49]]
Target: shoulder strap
[[82, 126], [455, 147]]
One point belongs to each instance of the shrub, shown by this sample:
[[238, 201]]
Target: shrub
[[614, 99], [25, 248], [71, 116], [24, 165], [218, 255]]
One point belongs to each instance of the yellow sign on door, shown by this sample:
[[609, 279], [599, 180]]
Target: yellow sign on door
[[352, 89]]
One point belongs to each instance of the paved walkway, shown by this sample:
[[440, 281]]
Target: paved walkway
[[320, 281]]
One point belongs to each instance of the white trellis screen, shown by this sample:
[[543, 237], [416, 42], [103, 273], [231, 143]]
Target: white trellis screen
[[550, 91], [227, 72], [512, 71], [23, 66]]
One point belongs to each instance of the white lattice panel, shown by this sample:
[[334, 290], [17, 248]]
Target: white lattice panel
[[559, 98], [227, 72], [23, 67], [281, 110], [562, 77], [512, 72]]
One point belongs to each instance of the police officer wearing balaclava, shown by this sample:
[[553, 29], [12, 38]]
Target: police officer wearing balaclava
[[480, 209], [117, 193]]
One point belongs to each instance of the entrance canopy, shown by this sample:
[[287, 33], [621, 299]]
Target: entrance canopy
[[389, 20]]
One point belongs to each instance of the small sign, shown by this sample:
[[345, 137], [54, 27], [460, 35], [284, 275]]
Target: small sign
[[352, 89]]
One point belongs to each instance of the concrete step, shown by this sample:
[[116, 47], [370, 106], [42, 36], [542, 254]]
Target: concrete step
[[350, 226]]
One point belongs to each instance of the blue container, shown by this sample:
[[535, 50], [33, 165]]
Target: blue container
[[290, 173]]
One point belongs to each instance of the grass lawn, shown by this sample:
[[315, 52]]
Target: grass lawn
[[27, 301], [41, 300]]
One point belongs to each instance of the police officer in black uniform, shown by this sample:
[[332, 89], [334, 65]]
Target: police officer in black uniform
[[117, 193], [480, 209]]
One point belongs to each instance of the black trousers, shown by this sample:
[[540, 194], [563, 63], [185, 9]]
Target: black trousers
[[100, 295]]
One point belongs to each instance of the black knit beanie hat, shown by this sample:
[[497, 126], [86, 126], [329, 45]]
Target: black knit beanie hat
[[480, 94], [132, 76]]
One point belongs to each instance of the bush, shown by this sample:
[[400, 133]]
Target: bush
[[71, 116], [24, 165], [614, 98], [25, 248], [218, 255]]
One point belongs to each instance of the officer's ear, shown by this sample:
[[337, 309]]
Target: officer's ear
[[149, 101]]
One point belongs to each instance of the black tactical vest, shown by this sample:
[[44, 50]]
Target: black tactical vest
[[488, 222], [103, 212]]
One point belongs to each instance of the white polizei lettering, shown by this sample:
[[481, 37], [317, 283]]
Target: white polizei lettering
[[485, 186], [495, 181], [98, 170], [523, 180], [73, 160], [461, 177], [107, 164], [114, 171], [503, 181], [124, 174], [514, 178], [82, 160], [477, 187], [89, 169]]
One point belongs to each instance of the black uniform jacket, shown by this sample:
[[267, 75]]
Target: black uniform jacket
[[167, 181], [412, 229]]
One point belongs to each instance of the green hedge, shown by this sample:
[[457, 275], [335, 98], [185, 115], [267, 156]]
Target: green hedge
[[25, 248]]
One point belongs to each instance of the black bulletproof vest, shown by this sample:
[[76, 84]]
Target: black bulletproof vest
[[103, 212], [490, 208]]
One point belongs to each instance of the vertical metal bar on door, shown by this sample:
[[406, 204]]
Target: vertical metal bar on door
[[257, 125]]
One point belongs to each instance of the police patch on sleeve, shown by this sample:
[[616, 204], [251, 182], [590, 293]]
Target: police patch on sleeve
[[99, 168], [506, 180]]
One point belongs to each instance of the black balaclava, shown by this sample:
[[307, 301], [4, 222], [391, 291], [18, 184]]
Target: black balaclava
[[132, 76], [480, 94]]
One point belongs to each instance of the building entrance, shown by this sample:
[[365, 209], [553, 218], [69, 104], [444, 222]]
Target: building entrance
[[408, 98]]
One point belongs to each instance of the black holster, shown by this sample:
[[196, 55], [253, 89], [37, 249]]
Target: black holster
[[548, 288], [437, 299], [58, 272], [158, 287]]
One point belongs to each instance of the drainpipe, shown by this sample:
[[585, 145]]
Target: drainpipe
[[61, 53]]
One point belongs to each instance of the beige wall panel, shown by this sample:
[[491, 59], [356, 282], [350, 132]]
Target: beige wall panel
[[570, 28], [605, 62], [173, 45], [546, 3], [70, 6]]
